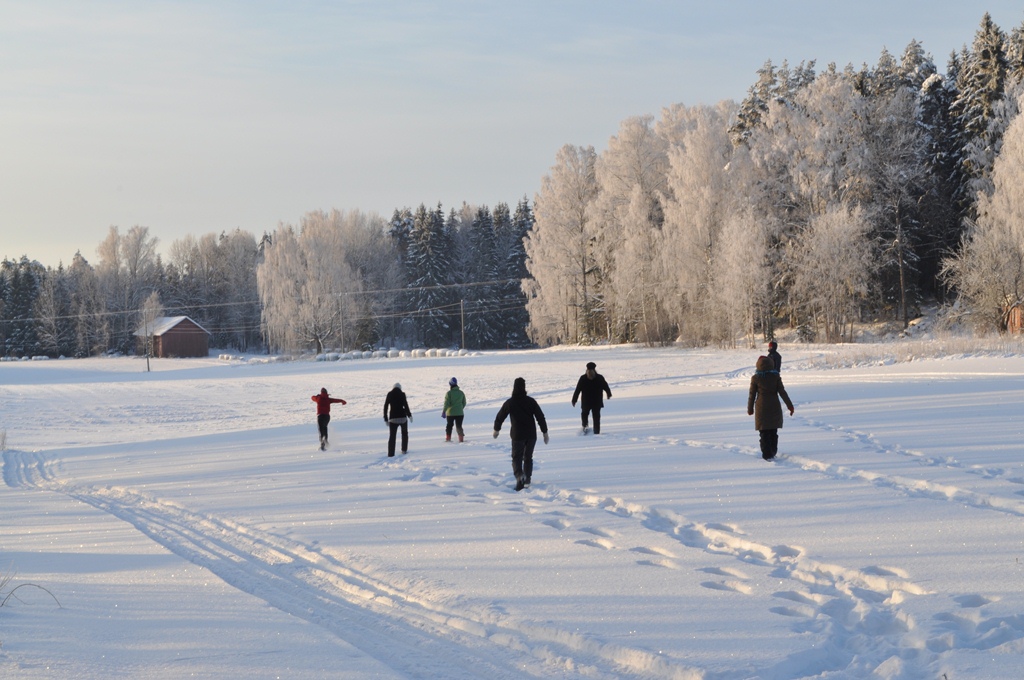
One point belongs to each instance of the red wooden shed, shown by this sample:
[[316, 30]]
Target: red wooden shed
[[175, 336]]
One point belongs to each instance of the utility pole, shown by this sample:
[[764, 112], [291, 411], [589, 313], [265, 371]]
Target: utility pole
[[462, 316]]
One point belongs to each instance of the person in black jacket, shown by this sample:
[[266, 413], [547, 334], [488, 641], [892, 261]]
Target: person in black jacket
[[526, 417], [773, 354], [592, 387], [399, 417]]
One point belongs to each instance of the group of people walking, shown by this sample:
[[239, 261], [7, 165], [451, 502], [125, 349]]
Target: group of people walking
[[526, 416], [523, 411]]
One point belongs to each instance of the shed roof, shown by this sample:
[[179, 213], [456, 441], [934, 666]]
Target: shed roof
[[162, 324]]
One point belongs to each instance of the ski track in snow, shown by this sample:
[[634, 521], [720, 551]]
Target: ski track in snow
[[413, 632]]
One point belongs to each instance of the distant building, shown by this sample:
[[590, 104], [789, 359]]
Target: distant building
[[174, 336]]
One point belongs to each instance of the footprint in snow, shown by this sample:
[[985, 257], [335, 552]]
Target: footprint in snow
[[654, 551], [801, 597], [665, 564], [602, 543], [729, 586], [725, 571], [974, 601], [598, 531], [557, 523]]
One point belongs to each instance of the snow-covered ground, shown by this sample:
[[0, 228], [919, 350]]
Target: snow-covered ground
[[189, 526]]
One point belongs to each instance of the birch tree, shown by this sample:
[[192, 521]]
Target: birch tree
[[560, 258]]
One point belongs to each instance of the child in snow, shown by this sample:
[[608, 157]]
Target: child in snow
[[323, 413], [763, 403], [454, 410], [525, 416], [397, 415]]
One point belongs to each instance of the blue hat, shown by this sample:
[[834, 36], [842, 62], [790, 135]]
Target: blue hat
[[453, 382]]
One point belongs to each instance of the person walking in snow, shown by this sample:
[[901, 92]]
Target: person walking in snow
[[454, 410], [397, 415], [591, 387], [773, 354], [525, 417], [763, 403], [323, 413]]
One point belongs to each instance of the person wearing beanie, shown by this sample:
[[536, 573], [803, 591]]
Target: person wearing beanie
[[397, 415], [454, 410], [773, 353], [323, 413], [591, 387], [763, 403], [525, 417]]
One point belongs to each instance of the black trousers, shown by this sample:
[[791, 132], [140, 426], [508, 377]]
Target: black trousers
[[769, 443], [596, 411], [321, 423], [455, 421], [391, 438], [522, 457]]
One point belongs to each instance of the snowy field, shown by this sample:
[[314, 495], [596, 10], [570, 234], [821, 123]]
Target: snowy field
[[189, 526]]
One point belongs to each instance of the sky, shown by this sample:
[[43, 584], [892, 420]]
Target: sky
[[198, 117]]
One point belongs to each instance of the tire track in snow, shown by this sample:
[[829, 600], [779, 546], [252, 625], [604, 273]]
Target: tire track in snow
[[415, 633]]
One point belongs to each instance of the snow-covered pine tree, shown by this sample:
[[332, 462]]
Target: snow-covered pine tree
[[480, 293], [428, 273], [980, 80]]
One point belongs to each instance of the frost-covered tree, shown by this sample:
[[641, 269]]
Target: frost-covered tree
[[740, 285], [128, 270], [53, 311], [899, 179], [980, 80], [304, 282], [832, 267], [699, 200], [636, 160], [989, 269], [562, 291]]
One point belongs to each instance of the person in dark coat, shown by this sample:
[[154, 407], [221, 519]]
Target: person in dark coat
[[591, 387], [773, 353], [525, 417], [323, 413], [763, 403], [397, 415]]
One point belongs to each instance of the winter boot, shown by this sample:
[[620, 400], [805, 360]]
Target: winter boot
[[461, 438], [520, 483], [447, 437]]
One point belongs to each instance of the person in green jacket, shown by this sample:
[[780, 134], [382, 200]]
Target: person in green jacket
[[454, 410]]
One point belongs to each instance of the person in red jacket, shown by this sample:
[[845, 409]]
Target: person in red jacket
[[323, 413]]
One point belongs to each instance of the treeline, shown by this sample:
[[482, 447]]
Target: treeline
[[820, 200], [336, 280]]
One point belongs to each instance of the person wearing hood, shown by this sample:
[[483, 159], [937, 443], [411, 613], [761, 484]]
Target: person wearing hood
[[397, 415], [323, 413], [763, 403], [525, 417], [591, 387], [454, 410]]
